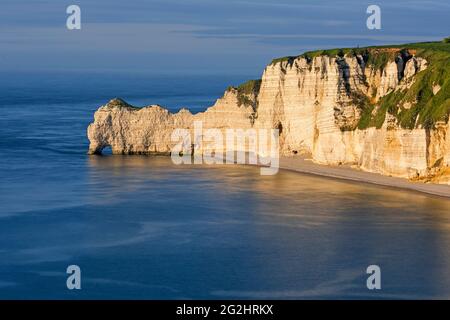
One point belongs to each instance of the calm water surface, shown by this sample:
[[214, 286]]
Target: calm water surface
[[141, 227]]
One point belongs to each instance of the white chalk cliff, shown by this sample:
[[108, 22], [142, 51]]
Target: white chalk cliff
[[315, 104]]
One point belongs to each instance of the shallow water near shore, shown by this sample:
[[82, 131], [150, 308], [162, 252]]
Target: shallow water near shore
[[141, 227]]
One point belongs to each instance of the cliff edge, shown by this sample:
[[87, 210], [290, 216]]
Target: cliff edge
[[382, 109]]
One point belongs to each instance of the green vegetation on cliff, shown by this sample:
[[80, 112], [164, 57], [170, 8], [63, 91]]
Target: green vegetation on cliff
[[247, 95], [428, 97], [120, 103], [248, 92]]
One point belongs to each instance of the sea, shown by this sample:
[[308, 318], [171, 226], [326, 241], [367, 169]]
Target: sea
[[141, 227]]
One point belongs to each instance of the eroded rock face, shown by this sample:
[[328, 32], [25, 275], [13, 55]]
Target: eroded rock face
[[148, 130], [312, 102]]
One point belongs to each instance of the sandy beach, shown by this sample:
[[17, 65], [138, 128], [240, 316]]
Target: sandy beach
[[304, 165]]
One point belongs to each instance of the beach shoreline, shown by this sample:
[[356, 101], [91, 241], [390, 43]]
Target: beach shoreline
[[345, 172]]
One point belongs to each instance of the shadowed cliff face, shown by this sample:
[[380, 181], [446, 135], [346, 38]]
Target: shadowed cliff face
[[323, 105]]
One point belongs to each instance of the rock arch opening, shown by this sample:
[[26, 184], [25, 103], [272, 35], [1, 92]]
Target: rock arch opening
[[105, 151]]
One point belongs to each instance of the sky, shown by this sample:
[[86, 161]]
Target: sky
[[200, 36]]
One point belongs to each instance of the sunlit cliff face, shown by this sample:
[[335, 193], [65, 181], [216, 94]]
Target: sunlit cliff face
[[317, 104]]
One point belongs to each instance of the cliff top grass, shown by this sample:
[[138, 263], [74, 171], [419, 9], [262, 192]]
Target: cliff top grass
[[388, 49], [120, 103], [247, 92], [248, 87], [427, 108]]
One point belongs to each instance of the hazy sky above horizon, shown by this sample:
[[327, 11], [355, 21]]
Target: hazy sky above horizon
[[200, 36]]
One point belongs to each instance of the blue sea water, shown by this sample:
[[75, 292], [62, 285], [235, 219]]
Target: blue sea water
[[142, 228]]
